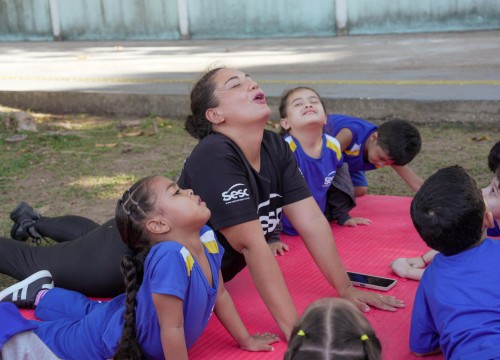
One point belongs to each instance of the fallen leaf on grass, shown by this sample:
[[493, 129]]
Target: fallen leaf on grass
[[16, 138], [130, 134], [105, 145], [479, 138]]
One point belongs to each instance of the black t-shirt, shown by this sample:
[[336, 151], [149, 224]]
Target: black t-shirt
[[236, 193]]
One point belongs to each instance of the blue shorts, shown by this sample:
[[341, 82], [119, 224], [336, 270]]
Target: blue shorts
[[358, 178]]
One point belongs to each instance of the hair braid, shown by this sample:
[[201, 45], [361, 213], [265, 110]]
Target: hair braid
[[133, 270], [131, 215]]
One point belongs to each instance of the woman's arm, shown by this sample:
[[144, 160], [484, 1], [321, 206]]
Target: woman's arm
[[311, 224], [171, 320], [413, 180], [248, 239], [228, 315]]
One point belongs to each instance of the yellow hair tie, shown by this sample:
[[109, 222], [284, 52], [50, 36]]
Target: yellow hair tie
[[364, 337], [301, 333]]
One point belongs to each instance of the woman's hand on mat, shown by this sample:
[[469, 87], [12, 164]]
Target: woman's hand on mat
[[409, 268], [260, 342], [363, 299], [278, 248], [355, 221]]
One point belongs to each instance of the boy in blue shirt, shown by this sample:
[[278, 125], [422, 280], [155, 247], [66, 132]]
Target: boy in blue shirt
[[368, 147], [456, 308]]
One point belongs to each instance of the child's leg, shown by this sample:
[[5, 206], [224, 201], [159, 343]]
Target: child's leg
[[60, 303], [360, 182], [95, 336], [340, 197]]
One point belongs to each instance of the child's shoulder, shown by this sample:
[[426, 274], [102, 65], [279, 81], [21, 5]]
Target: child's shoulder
[[337, 122]]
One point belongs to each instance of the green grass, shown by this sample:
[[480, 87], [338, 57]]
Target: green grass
[[81, 164]]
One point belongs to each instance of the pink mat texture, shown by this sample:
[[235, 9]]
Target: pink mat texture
[[367, 249]]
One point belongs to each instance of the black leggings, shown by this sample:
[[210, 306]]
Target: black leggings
[[86, 260]]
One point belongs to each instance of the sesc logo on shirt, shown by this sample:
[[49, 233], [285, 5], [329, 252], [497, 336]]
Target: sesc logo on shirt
[[236, 193], [329, 179]]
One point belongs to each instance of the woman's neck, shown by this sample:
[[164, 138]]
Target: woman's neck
[[249, 140]]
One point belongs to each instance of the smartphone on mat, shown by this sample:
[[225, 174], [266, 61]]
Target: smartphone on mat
[[371, 281]]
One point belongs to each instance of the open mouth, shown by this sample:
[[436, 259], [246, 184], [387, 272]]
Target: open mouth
[[259, 97]]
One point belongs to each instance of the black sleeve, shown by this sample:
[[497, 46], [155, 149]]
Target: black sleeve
[[294, 186], [216, 172]]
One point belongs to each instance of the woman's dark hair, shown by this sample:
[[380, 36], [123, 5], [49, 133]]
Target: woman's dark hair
[[131, 215], [333, 328], [284, 103], [202, 99]]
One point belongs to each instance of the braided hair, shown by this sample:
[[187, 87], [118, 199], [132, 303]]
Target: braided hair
[[333, 328], [131, 215], [202, 99]]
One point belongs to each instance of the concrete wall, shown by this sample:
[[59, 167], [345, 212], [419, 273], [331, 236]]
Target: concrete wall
[[220, 19], [32, 20], [25, 20], [119, 19], [405, 16]]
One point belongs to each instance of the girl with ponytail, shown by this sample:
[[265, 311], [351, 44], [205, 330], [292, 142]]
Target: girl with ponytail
[[333, 328], [173, 284]]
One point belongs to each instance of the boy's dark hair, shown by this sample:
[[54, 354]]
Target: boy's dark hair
[[131, 215], [494, 157], [400, 140], [333, 328], [448, 211], [284, 103]]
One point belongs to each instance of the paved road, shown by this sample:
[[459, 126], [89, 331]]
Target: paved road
[[451, 73]]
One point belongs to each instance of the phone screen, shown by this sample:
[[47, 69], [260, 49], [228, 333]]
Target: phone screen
[[368, 279]]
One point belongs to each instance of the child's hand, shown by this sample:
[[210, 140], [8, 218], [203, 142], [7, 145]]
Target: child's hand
[[278, 248], [260, 342], [410, 268], [357, 221]]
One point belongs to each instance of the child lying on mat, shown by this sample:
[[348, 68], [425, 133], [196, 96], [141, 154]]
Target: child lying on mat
[[319, 158], [173, 285], [333, 328], [456, 308], [413, 268]]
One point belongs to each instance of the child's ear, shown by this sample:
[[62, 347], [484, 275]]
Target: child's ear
[[373, 137], [284, 123], [214, 116], [488, 221], [157, 226]]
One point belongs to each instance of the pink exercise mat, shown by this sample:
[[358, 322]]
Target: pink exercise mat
[[368, 249]]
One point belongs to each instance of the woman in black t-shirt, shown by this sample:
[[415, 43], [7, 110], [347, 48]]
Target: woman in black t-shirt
[[248, 176]]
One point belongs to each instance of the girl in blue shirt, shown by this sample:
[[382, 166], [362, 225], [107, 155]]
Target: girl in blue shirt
[[173, 285]]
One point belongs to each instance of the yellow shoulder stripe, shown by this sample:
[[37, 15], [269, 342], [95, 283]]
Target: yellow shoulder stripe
[[208, 239], [334, 145], [188, 259], [291, 143]]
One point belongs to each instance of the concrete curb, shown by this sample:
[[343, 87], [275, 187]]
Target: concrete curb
[[471, 112]]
